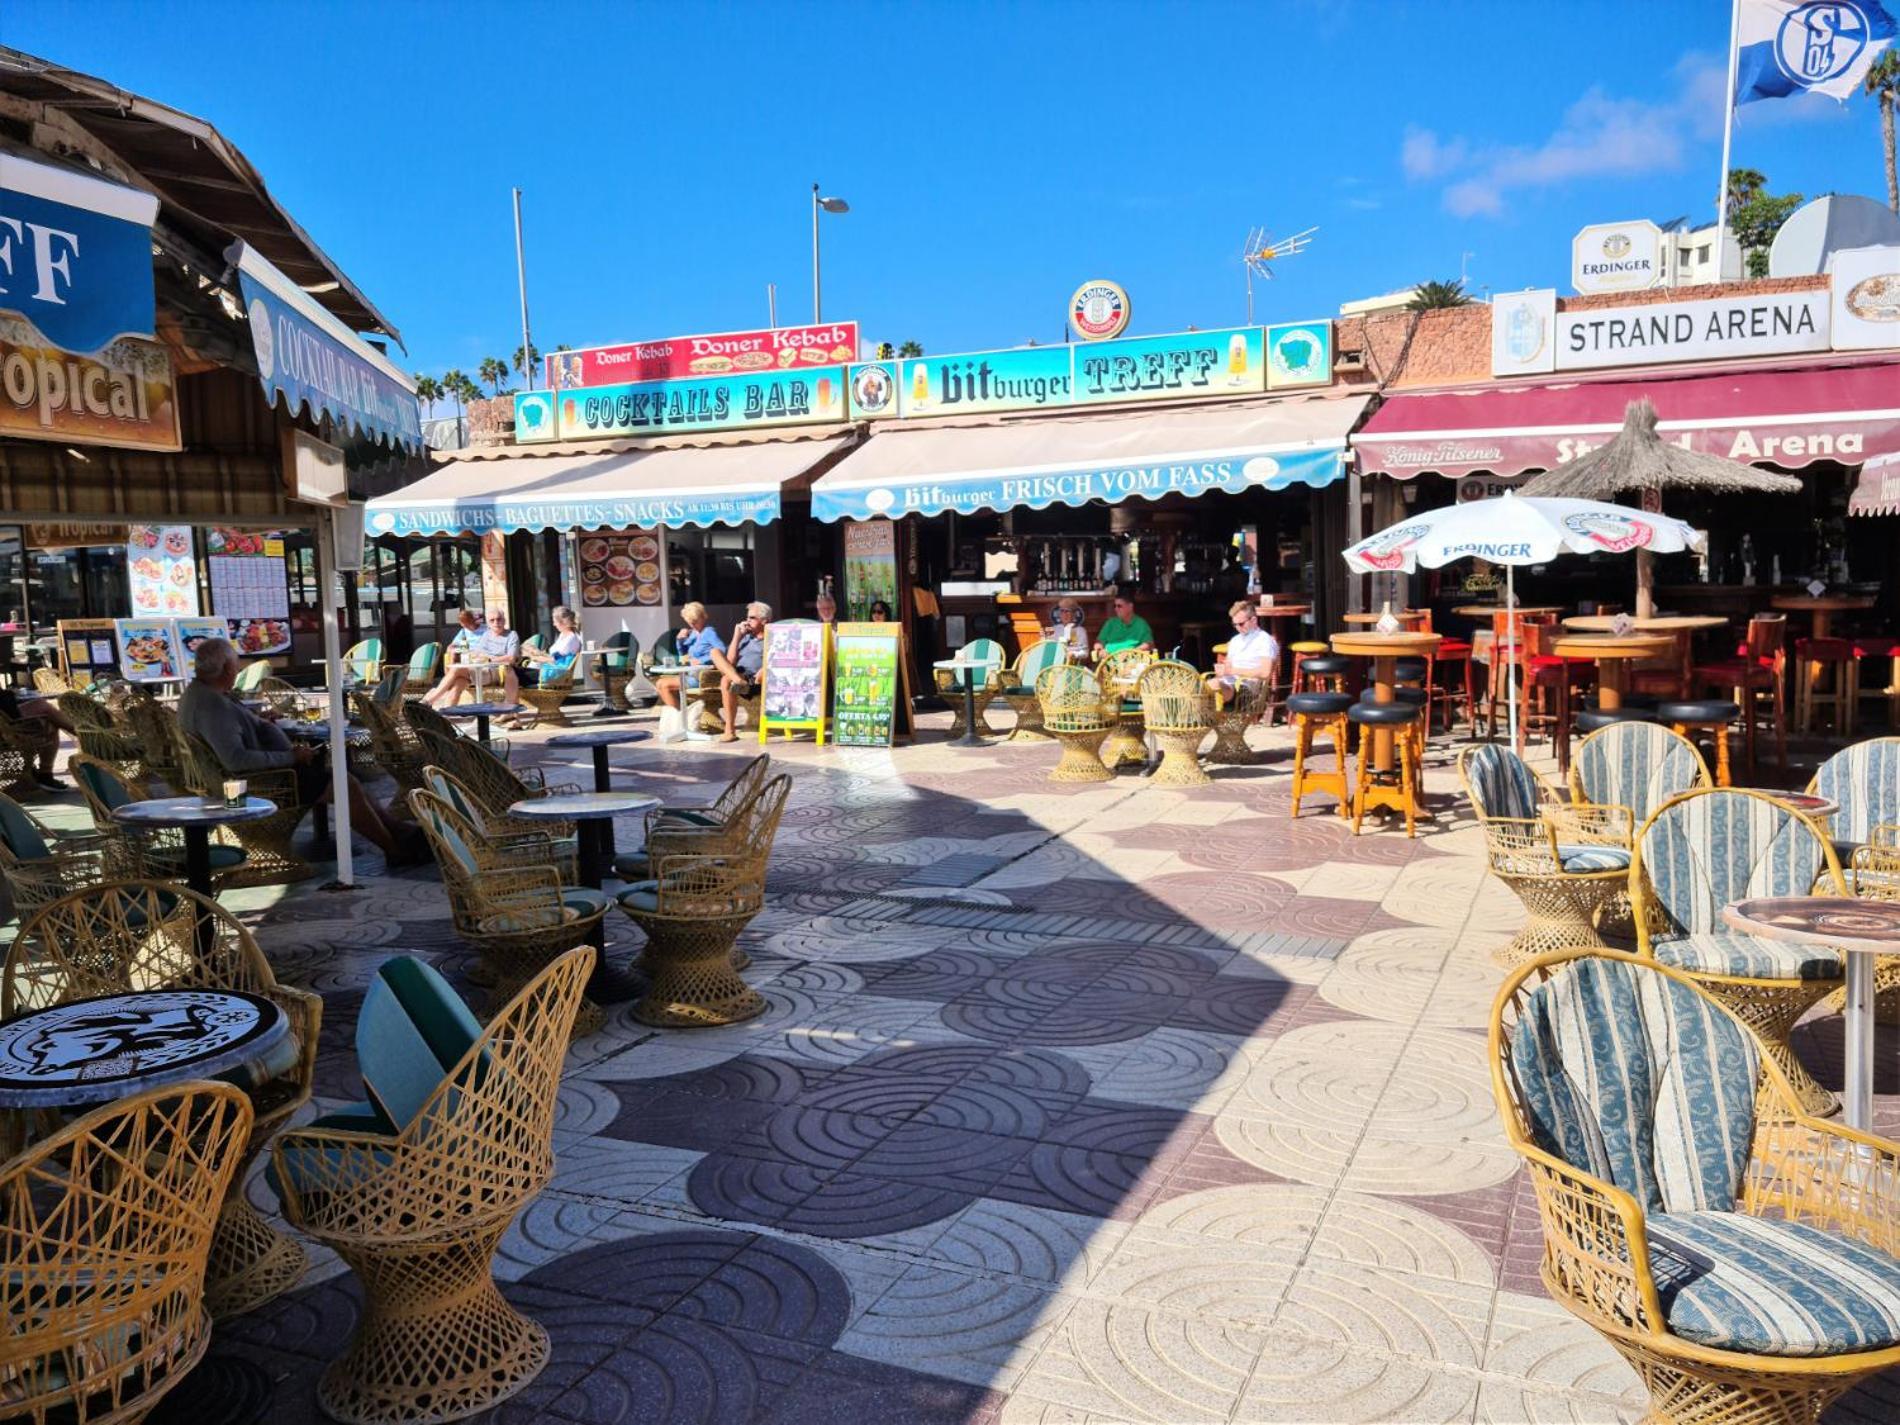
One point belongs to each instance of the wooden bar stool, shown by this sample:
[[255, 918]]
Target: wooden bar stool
[[1756, 671], [1302, 651], [1710, 715], [1837, 658], [1403, 719], [1324, 673], [1316, 713]]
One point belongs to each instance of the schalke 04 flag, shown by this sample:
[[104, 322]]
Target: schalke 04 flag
[[1789, 47]]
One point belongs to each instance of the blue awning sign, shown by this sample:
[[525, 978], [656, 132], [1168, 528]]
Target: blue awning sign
[[75, 255]]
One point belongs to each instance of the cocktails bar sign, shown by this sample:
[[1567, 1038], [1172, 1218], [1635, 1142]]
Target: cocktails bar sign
[[796, 397]]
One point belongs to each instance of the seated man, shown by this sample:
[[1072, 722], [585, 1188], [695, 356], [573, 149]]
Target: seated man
[[23, 704], [827, 609], [495, 646], [695, 645], [740, 664], [1253, 654], [245, 742], [1124, 629]]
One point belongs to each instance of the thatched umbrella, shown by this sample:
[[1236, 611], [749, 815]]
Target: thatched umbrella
[[1637, 459]]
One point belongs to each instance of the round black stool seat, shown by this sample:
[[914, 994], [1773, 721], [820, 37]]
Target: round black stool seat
[[1384, 714], [1698, 710], [1326, 665], [1319, 704], [1408, 670], [1415, 697], [1590, 719]]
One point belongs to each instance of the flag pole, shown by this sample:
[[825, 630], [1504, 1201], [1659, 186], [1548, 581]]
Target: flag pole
[[1728, 132]]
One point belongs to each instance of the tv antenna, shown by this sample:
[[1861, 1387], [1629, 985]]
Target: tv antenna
[[1261, 252]]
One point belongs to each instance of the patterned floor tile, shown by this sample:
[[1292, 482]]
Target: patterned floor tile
[[977, 1329]]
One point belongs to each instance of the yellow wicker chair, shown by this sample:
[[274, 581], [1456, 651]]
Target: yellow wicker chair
[[544, 699], [1234, 711], [423, 669], [516, 914], [102, 1253], [422, 718], [708, 709], [266, 841], [1713, 1262], [418, 1208], [161, 740], [1019, 690], [1175, 708], [1705, 849], [1074, 713], [1566, 887], [152, 935], [282, 698], [679, 824], [155, 852], [495, 784], [1119, 677], [394, 744], [692, 912], [52, 682], [102, 734], [40, 864], [515, 841]]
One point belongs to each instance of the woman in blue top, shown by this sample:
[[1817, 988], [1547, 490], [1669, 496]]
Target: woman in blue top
[[694, 645], [538, 665]]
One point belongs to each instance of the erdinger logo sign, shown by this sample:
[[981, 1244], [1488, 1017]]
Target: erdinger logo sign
[[1388, 550], [1614, 533], [1616, 257]]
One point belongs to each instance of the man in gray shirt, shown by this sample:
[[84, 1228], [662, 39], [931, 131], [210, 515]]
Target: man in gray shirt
[[741, 663], [245, 742]]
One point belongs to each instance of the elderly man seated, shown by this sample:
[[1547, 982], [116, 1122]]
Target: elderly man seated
[[245, 742], [740, 664], [494, 646]]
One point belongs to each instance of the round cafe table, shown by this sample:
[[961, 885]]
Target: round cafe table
[[1385, 650], [1860, 930], [1612, 653], [1660, 623], [481, 712], [968, 669], [1821, 608], [1807, 803], [196, 817], [600, 740], [594, 812]]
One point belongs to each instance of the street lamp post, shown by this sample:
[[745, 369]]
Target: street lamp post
[[829, 205]]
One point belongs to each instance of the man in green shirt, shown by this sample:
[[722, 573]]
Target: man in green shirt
[[1124, 629]]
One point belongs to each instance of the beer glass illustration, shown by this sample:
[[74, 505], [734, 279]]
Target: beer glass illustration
[[919, 383], [824, 393], [1237, 359]]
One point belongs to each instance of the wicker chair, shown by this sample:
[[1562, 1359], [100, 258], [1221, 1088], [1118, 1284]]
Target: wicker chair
[[1705, 849], [1737, 1252], [266, 841], [1019, 690], [1175, 708], [417, 1203], [150, 935], [516, 914], [1074, 713], [24, 743], [52, 682], [157, 852], [391, 686], [710, 821], [422, 718], [161, 740], [1564, 885], [102, 1253], [1124, 745], [495, 784], [614, 667], [708, 708], [1621, 773], [279, 696], [1234, 711], [424, 668], [988, 685], [393, 743], [363, 661], [253, 676], [103, 734], [544, 698], [514, 840], [40, 864]]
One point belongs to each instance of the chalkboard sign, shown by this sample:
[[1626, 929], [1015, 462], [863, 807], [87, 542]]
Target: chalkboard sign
[[870, 701], [88, 649], [792, 682]]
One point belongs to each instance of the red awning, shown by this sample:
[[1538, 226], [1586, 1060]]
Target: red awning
[[1785, 418]]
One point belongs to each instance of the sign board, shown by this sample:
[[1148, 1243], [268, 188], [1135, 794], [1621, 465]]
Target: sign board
[[161, 569], [1099, 310], [74, 535], [870, 701], [681, 358], [1299, 354], [620, 570], [873, 388], [250, 587], [1714, 329], [75, 255], [1022, 378], [1524, 333], [314, 471], [870, 567], [122, 396], [792, 679], [1865, 286], [1485, 487], [803, 396], [1616, 257], [192, 632], [148, 650], [1151, 368], [88, 649]]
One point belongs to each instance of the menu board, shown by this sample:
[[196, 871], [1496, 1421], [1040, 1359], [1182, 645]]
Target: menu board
[[88, 648], [250, 588], [870, 699], [792, 694], [148, 650], [870, 566], [191, 633], [160, 568], [620, 570]]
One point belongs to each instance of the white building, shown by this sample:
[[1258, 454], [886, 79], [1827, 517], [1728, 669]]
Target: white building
[[1688, 256]]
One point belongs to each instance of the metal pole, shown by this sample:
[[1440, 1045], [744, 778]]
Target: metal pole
[[817, 309], [1728, 132], [333, 675], [771, 304], [521, 278]]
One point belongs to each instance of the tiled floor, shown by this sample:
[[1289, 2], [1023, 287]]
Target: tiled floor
[[1110, 1103]]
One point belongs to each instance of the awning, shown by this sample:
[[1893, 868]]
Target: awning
[[1789, 418], [75, 254], [1878, 491], [316, 363], [699, 485], [1037, 462]]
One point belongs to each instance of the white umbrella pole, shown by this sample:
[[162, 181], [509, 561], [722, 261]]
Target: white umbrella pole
[[1510, 635], [327, 575]]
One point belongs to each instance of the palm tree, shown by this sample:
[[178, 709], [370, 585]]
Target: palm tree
[[911, 348], [428, 390], [455, 385], [1745, 185], [493, 372], [526, 368], [1883, 82], [1429, 295], [469, 390]]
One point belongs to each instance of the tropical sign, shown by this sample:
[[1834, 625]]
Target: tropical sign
[[775, 398], [866, 683]]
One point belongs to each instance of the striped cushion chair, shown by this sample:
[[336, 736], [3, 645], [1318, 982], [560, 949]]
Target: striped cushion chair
[[1565, 885], [988, 684], [1626, 770], [1864, 781], [1738, 1253], [1020, 689], [1707, 849]]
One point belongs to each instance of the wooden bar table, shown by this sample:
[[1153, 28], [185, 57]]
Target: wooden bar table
[[1385, 650], [1821, 608], [1612, 653], [1660, 623]]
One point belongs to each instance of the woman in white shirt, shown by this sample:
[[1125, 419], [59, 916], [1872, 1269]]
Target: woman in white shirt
[[558, 657], [1070, 631]]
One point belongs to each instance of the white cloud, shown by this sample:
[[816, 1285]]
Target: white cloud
[[1364, 205], [1425, 155]]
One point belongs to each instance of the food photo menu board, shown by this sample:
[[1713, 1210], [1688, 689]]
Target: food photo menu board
[[620, 570], [870, 697], [161, 570], [148, 650], [249, 587], [793, 692]]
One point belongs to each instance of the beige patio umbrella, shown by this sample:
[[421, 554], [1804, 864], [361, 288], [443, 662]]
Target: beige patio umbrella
[[1635, 459]]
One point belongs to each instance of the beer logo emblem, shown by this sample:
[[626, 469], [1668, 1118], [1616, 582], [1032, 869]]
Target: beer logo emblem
[[1260, 469], [1525, 331], [263, 338], [1616, 245], [533, 415], [1615, 533], [382, 523], [1821, 40], [879, 500], [871, 390], [1388, 550], [1098, 310]]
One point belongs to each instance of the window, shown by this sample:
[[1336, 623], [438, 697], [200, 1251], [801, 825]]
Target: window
[[1702, 253], [1682, 257], [713, 566]]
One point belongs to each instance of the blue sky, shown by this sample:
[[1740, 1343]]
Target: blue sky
[[994, 156]]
